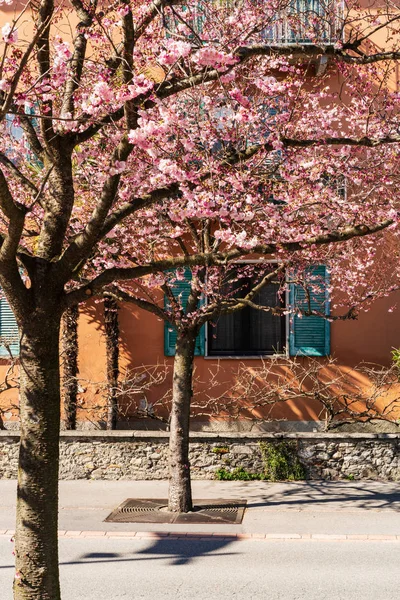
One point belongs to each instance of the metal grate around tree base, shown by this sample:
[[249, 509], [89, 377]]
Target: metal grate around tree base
[[156, 511]]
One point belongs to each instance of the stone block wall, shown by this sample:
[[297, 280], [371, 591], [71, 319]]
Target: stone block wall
[[144, 455]]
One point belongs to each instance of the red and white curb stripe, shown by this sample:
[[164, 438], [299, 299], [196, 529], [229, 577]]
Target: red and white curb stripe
[[202, 536]]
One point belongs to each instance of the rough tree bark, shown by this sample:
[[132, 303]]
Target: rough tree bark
[[70, 364], [180, 492], [37, 497], [111, 327]]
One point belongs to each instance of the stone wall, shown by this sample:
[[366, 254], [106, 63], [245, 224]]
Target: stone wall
[[144, 455]]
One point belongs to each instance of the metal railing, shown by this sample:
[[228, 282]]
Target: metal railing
[[300, 22], [307, 22]]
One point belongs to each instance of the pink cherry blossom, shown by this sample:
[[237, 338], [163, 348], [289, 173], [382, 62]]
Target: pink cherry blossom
[[173, 50], [9, 33]]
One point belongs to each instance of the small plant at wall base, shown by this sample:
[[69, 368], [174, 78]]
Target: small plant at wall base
[[238, 474], [280, 462], [220, 450], [396, 359]]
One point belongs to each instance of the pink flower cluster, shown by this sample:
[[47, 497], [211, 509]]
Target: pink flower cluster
[[9, 33], [212, 57], [173, 51]]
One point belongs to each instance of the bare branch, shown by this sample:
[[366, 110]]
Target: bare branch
[[217, 258], [16, 216], [78, 58], [9, 99], [31, 135], [4, 160], [45, 13], [123, 296]]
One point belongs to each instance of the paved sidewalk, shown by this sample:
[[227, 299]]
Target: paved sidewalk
[[312, 510]]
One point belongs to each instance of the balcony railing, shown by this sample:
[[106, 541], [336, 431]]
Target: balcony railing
[[307, 22], [300, 22]]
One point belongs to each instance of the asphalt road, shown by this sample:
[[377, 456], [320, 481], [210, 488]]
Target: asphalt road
[[162, 569]]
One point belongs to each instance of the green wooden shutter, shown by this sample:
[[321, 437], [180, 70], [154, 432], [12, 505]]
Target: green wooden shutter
[[182, 289], [8, 330], [310, 336]]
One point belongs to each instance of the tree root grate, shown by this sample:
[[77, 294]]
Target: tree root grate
[[156, 511]]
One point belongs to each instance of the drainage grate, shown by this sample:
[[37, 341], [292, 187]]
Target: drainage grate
[[156, 511]]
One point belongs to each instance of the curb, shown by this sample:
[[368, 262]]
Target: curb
[[201, 536]]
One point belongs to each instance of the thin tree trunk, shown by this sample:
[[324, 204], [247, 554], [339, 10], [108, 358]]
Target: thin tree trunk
[[70, 365], [36, 547], [180, 490], [111, 326]]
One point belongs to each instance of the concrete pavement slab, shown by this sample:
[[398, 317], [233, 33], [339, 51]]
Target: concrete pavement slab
[[294, 508]]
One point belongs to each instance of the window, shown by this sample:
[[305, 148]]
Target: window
[[249, 331], [253, 332], [9, 337]]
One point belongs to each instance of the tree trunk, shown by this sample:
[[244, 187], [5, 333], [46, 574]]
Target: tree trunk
[[111, 327], [70, 365], [180, 491], [36, 547]]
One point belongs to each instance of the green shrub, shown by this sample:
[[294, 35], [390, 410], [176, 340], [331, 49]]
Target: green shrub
[[220, 450], [239, 474], [281, 462], [396, 358]]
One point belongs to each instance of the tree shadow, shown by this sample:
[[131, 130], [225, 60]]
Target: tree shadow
[[182, 552], [330, 495], [179, 551]]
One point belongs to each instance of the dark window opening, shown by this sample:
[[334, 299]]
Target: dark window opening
[[249, 331]]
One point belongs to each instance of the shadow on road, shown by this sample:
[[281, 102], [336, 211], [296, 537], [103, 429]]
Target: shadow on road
[[181, 552]]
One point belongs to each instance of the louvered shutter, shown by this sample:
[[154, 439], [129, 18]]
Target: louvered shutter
[[310, 336], [8, 330], [182, 289]]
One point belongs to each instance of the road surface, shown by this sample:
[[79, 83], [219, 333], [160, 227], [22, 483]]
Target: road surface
[[162, 569]]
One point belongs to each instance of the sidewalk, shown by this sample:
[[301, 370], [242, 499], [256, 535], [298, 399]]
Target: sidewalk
[[300, 510]]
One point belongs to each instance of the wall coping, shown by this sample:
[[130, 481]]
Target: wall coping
[[139, 435]]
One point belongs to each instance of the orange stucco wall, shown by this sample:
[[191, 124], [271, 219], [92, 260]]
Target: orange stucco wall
[[368, 339]]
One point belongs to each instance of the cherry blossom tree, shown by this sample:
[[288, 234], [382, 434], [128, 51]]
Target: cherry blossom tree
[[117, 114], [188, 299]]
